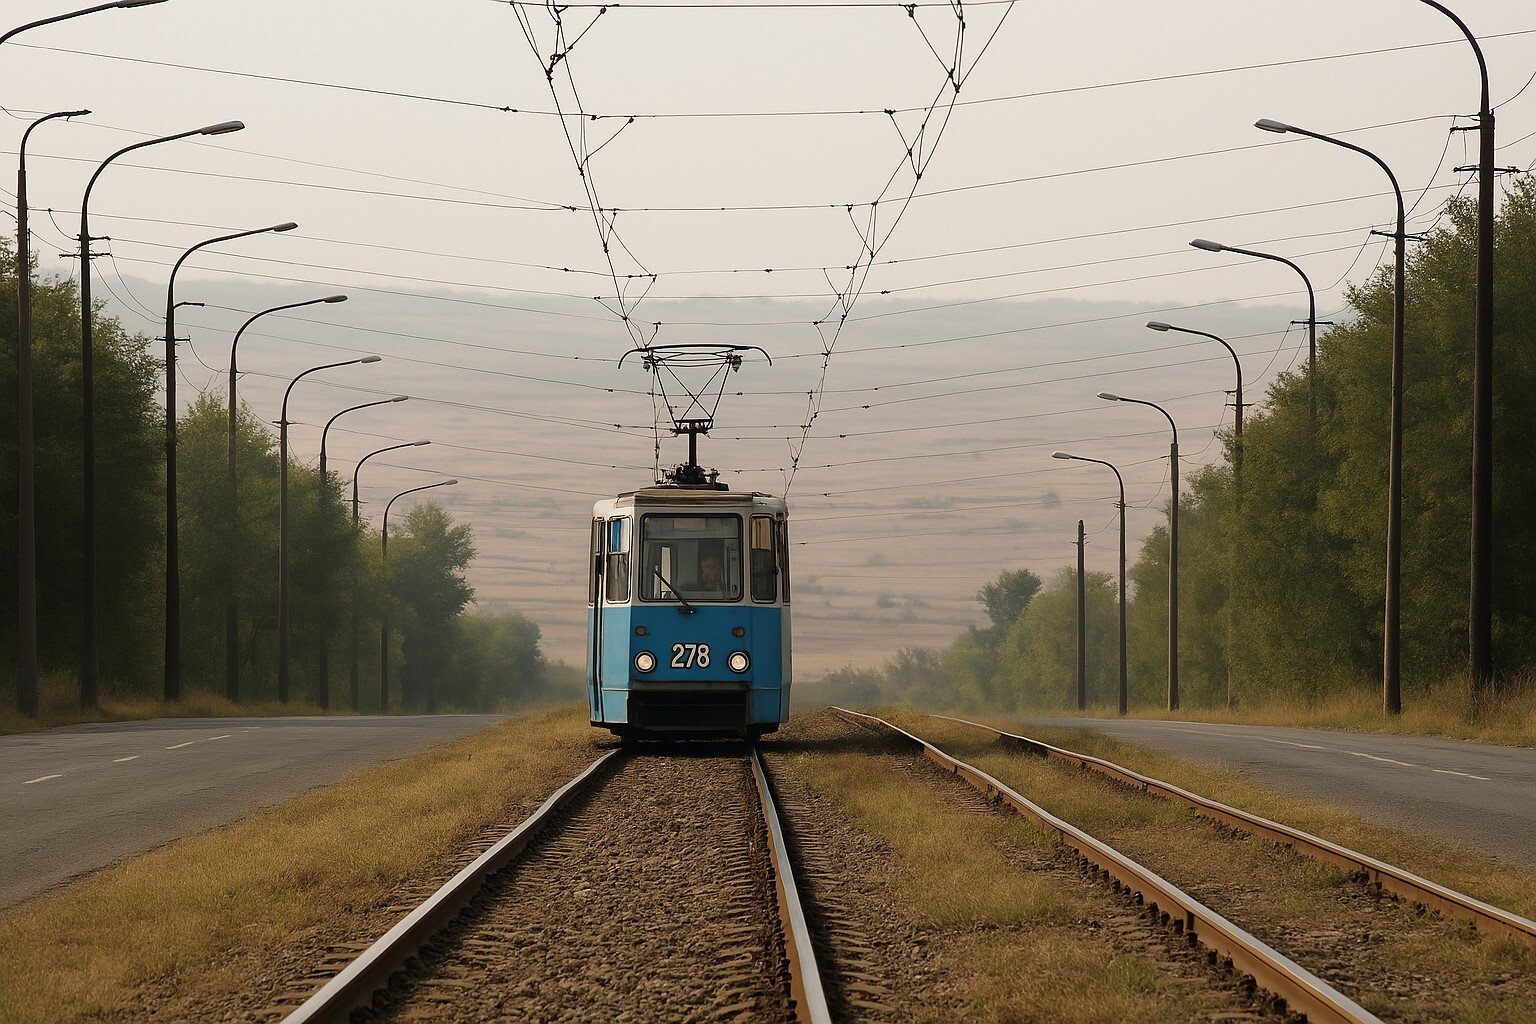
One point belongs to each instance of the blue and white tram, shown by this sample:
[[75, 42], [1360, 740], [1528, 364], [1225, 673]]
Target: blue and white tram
[[688, 622]]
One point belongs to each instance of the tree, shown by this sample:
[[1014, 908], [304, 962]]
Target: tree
[[129, 480], [426, 582]]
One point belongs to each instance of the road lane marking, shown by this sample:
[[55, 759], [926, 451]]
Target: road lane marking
[[224, 737], [1465, 775], [1383, 760], [120, 760], [178, 746], [42, 778], [1303, 746]]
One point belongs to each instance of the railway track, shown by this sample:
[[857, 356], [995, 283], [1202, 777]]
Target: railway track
[[654, 886], [1404, 884], [1300, 990]]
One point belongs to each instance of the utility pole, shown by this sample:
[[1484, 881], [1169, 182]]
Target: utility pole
[[1082, 624]]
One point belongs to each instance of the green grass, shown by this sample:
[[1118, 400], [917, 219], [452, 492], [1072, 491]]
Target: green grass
[[206, 915], [1015, 944], [1455, 968], [59, 704], [1450, 709]]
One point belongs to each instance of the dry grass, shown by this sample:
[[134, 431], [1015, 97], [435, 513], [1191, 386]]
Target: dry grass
[[1014, 941], [1450, 709], [209, 912], [1300, 897], [59, 704]]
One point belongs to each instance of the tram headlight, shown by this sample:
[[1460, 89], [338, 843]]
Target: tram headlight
[[739, 662], [645, 661]]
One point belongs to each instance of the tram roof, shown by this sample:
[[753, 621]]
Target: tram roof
[[692, 496]]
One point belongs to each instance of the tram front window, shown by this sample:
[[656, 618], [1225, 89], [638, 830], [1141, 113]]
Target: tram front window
[[700, 555]]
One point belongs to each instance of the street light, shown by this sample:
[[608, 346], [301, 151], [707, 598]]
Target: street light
[[282, 522], [324, 661], [26, 444], [1209, 246], [1237, 484], [1237, 364], [384, 620], [231, 603], [1124, 694], [172, 559], [90, 662], [1480, 600], [1173, 547], [352, 651], [1391, 656]]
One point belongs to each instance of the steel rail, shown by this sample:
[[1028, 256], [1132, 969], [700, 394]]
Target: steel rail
[[1483, 916], [1271, 970], [805, 988], [356, 985]]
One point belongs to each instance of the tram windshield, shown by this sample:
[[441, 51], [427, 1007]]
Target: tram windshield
[[700, 555]]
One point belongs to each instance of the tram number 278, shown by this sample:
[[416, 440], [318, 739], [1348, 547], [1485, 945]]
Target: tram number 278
[[690, 655]]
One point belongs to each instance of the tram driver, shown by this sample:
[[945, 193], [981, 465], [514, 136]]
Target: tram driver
[[711, 578]]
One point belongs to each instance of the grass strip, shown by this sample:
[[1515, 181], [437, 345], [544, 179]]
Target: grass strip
[[207, 916], [1397, 963], [1020, 938]]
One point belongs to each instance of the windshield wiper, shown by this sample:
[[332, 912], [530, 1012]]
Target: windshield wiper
[[686, 609]]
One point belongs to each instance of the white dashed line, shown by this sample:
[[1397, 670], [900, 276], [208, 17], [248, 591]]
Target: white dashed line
[[178, 746], [1465, 775], [120, 760], [1303, 746], [42, 778], [224, 737], [1383, 760]]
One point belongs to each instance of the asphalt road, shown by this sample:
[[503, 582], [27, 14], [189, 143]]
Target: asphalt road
[[1477, 795], [81, 797]]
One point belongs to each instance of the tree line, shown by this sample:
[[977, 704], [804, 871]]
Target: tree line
[[1282, 569], [339, 592]]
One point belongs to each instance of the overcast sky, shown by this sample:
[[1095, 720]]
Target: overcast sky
[[418, 147]]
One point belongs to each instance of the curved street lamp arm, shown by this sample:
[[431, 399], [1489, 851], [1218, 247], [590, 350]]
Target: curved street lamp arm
[[424, 487], [1482, 63], [214, 241], [1100, 462], [326, 430], [1278, 259], [1217, 338], [306, 373], [1397, 190], [86, 202], [1153, 405], [57, 18], [22, 149]]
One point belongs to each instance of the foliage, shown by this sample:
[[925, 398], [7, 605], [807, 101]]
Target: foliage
[[1282, 544], [228, 551]]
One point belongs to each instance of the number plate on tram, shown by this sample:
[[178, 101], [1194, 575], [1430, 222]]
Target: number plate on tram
[[690, 655]]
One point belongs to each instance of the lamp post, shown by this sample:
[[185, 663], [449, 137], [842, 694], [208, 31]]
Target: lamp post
[[1480, 600], [384, 571], [26, 445], [1391, 656], [282, 522], [1124, 693], [324, 660], [1209, 246], [172, 560], [231, 603], [1082, 622], [1173, 546], [352, 648], [90, 662]]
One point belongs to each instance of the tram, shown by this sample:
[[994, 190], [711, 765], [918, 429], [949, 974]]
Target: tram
[[688, 612]]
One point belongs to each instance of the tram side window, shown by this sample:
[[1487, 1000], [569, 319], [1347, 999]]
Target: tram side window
[[617, 569], [595, 562], [782, 534], [765, 567]]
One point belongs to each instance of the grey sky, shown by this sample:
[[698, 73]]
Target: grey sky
[[448, 260]]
